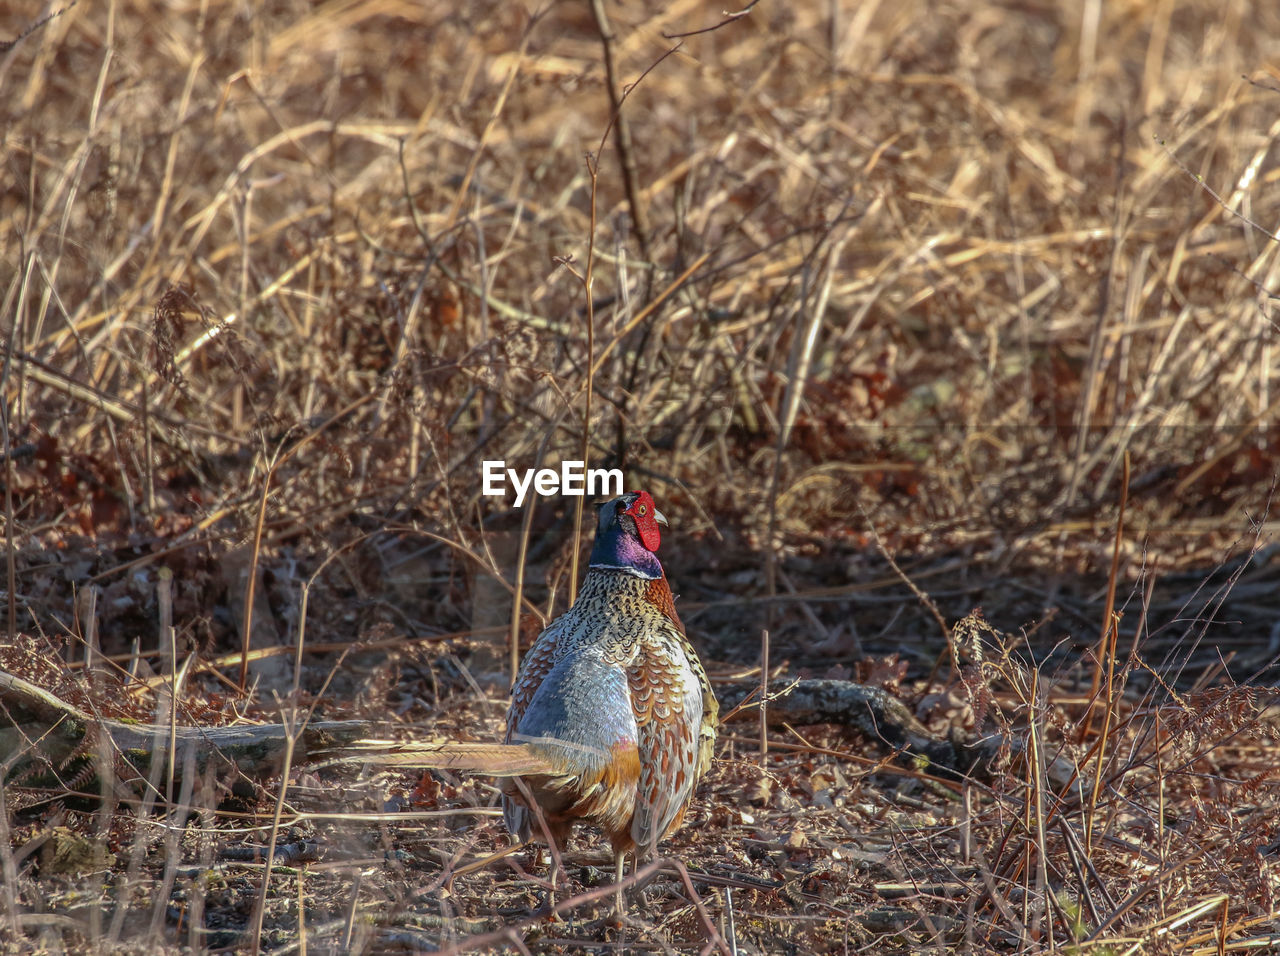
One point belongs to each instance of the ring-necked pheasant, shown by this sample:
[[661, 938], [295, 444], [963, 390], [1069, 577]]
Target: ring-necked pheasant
[[612, 719]]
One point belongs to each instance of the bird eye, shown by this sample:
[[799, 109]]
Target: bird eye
[[644, 510]]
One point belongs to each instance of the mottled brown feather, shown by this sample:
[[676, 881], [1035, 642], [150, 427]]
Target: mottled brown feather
[[659, 594]]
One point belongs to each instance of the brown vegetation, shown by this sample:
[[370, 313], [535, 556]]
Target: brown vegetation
[[898, 309]]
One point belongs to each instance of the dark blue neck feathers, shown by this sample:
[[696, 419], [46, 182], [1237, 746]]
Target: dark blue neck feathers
[[618, 547]]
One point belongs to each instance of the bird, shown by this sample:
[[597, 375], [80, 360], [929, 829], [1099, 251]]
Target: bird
[[612, 720], [614, 693]]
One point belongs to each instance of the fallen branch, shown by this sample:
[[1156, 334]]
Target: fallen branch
[[36, 720], [34, 714], [872, 710]]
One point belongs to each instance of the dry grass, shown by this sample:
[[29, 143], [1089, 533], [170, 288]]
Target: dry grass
[[909, 279]]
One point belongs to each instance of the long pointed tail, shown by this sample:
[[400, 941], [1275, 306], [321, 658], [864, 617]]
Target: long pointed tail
[[498, 760]]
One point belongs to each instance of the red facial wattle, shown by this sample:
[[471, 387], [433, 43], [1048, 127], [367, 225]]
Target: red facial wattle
[[646, 516]]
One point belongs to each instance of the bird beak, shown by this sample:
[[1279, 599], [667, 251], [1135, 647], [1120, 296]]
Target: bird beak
[[659, 517]]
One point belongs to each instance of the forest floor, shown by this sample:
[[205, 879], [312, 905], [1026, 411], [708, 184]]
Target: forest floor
[[942, 331]]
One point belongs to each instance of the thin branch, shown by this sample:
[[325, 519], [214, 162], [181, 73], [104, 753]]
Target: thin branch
[[622, 130], [728, 18], [1199, 180]]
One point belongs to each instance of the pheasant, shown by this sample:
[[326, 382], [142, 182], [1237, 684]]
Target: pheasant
[[614, 694], [612, 719]]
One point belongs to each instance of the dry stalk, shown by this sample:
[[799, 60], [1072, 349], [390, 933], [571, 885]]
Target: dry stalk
[[1106, 657], [622, 135]]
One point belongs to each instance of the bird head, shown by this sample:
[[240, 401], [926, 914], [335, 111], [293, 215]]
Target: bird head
[[627, 536]]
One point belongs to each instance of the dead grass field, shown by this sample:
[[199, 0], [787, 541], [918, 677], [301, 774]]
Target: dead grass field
[[891, 305]]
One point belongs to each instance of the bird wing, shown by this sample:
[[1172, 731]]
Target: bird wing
[[660, 596], [534, 668], [666, 697], [580, 720], [537, 663]]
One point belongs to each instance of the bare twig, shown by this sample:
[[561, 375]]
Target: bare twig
[[728, 18], [622, 131]]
